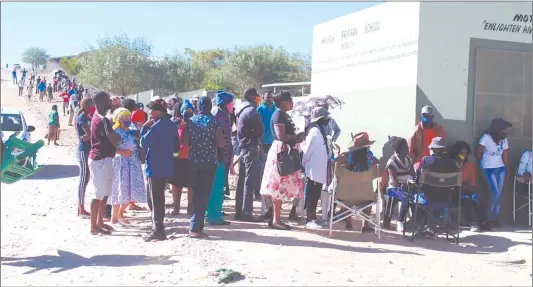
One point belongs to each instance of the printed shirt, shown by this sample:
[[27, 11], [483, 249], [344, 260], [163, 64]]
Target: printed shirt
[[352, 166], [224, 120], [525, 163], [202, 130]]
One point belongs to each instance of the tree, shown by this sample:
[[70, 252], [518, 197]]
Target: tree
[[253, 66], [119, 65], [35, 56], [71, 65]]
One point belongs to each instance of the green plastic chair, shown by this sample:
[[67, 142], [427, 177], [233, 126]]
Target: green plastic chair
[[22, 165]]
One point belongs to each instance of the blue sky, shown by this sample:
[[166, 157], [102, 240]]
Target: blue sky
[[66, 28]]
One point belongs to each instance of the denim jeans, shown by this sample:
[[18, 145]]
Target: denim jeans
[[494, 178]]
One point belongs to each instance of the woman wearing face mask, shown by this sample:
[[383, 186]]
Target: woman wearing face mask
[[128, 184], [459, 152], [492, 153], [182, 166]]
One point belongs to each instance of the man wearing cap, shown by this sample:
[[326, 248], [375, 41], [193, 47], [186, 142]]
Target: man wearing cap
[[437, 162], [160, 140], [249, 133], [422, 135]]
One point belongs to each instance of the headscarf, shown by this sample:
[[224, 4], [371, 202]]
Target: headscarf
[[223, 97], [186, 105], [118, 114], [204, 105]]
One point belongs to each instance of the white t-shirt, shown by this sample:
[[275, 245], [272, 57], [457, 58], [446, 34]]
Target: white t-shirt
[[492, 155]]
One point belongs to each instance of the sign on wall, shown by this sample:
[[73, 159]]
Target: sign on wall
[[366, 49]]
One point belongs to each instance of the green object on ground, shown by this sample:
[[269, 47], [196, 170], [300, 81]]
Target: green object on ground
[[227, 276], [15, 168]]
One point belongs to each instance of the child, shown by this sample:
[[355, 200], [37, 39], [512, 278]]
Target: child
[[53, 125], [49, 90], [29, 91]]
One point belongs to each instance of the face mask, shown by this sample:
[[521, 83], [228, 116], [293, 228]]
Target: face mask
[[187, 116], [461, 157], [425, 120], [257, 101], [126, 123], [230, 107]]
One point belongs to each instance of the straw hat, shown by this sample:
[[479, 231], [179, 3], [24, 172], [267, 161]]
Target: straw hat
[[359, 141]]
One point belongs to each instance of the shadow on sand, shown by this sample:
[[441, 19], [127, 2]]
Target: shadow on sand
[[54, 171], [67, 261]]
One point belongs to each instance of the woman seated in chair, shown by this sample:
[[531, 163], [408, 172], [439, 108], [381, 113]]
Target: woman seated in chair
[[437, 162], [459, 152], [359, 158], [400, 169]]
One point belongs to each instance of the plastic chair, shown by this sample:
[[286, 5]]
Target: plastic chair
[[19, 166], [450, 181], [354, 191], [521, 180]]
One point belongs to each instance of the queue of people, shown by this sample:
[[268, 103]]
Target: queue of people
[[127, 156]]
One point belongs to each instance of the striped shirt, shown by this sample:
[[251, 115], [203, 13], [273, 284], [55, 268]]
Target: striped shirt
[[402, 168]]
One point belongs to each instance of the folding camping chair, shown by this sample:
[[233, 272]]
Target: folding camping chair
[[521, 180], [450, 181], [354, 191]]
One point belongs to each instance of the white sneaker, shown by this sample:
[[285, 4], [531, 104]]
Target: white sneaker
[[399, 226], [313, 225]]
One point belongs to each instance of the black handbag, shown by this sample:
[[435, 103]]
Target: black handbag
[[289, 160]]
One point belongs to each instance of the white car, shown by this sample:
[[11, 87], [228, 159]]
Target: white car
[[13, 121]]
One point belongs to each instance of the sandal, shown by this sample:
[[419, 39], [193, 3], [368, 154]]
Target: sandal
[[107, 227], [136, 208], [198, 235], [278, 226]]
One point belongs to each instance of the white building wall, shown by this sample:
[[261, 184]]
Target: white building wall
[[444, 46], [369, 60]]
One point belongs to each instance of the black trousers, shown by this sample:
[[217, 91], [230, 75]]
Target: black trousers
[[156, 201], [313, 191], [248, 180], [203, 176]]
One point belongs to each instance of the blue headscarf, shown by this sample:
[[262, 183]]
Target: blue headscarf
[[186, 105], [205, 106], [223, 97]]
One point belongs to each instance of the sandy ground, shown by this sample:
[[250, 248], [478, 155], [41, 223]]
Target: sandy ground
[[44, 243]]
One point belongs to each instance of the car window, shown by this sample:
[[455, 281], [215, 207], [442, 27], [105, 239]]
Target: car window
[[11, 123]]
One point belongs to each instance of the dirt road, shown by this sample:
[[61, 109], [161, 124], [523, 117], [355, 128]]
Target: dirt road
[[44, 243]]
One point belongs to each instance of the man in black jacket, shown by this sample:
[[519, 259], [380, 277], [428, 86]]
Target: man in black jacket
[[249, 133]]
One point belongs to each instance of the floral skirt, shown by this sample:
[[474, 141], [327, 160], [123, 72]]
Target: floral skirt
[[280, 187], [128, 180]]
